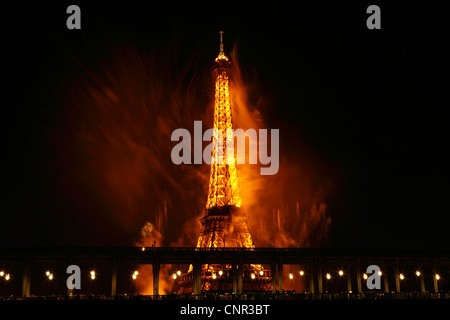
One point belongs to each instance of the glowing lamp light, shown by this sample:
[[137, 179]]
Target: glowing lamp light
[[134, 276], [92, 274], [252, 276], [220, 272], [328, 276], [291, 276], [47, 273], [261, 273], [214, 276], [402, 276], [7, 276], [143, 249], [418, 273], [50, 276], [341, 273], [174, 276], [437, 277], [2, 273], [365, 276], [301, 272], [380, 273]]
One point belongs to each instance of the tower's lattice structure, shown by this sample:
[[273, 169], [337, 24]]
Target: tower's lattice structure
[[224, 224]]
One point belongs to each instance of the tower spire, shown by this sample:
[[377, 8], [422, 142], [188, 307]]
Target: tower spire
[[222, 55], [221, 43]]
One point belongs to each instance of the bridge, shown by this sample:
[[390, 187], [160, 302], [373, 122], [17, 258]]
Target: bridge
[[315, 262]]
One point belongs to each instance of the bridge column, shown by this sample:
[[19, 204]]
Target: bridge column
[[349, 281], [240, 276], [197, 281], [319, 275], [386, 282], [422, 283], [156, 267], [435, 281], [358, 274], [280, 276], [234, 275], [397, 275], [311, 283], [272, 272], [114, 277], [26, 279]]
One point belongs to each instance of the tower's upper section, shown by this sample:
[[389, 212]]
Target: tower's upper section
[[223, 182]]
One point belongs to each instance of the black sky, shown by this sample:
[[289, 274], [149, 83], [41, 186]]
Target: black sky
[[372, 104]]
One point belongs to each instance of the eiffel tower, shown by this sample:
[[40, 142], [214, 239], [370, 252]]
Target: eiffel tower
[[224, 224]]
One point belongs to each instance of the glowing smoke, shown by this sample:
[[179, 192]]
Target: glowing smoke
[[276, 217]]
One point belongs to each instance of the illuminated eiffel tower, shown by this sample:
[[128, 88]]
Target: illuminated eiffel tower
[[224, 224]]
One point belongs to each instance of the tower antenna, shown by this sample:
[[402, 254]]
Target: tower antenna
[[221, 43]]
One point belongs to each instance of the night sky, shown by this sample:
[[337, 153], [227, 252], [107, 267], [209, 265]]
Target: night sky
[[364, 112]]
